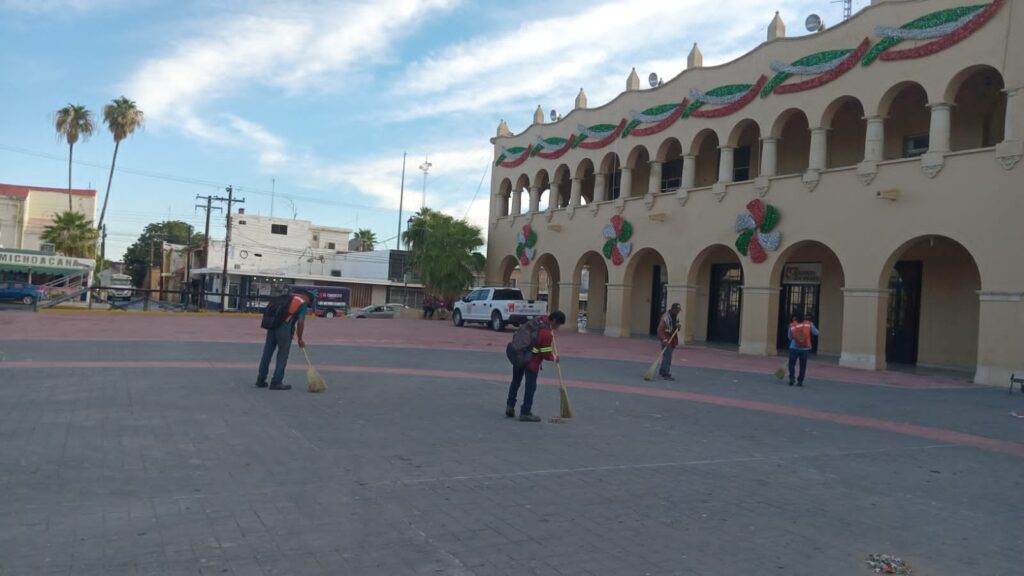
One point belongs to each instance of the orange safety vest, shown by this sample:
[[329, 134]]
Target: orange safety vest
[[801, 332]]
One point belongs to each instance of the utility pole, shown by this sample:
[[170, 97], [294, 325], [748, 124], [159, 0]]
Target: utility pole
[[103, 243], [401, 200], [227, 244], [206, 239], [188, 270]]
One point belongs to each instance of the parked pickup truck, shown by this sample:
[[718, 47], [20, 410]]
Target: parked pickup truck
[[497, 307]]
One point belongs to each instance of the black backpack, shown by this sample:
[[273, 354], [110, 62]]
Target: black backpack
[[276, 311], [519, 350]]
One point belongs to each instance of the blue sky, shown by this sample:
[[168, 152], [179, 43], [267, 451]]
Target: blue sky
[[319, 99]]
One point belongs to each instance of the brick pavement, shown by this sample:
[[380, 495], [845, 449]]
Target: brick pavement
[[184, 469]]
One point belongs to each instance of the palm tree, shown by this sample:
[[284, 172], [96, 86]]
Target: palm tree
[[74, 121], [443, 252], [365, 240], [72, 235], [122, 118]]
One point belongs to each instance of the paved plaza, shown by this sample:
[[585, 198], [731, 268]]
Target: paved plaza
[[137, 444]]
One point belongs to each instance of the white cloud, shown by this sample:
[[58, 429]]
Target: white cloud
[[289, 46], [60, 6], [552, 58]]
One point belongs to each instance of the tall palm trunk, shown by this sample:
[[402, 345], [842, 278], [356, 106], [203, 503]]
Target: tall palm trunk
[[71, 152], [103, 211]]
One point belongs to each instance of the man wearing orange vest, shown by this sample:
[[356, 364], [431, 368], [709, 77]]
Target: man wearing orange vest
[[800, 344]]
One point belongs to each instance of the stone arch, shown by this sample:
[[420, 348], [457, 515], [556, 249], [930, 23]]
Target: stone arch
[[507, 269], [542, 181], [521, 189], [714, 301], [590, 280], [611, 168], [792, 130], [504, 197], [810, 278], [907, 120], [670, 154], [545, 280], [639, 164], [938, 323], [978, 117], [745, 139], [586, 173], [844, 117], [646, 276], [705, 147], [562, 181]]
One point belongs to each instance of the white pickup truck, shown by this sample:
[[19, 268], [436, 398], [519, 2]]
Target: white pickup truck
[[497, 307]]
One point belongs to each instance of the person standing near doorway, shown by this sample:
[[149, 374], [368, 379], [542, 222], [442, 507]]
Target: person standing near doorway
[[668, 334], [280, 338], [800, 344]]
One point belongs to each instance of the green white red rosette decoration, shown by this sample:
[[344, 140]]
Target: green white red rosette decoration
[[944, 28], [513, 157], [527, 240], [654, 119], [823, 66], [728, 99], [757, 231], [617, 246]]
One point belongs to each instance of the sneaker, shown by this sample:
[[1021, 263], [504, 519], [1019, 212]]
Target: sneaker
[[280, 386], [800, 383], [790, 382], [261, 383], [527, 417], [667, 377], [510, 411]]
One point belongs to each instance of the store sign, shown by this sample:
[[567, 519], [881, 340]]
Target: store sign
[[44, 260], [801, 274]]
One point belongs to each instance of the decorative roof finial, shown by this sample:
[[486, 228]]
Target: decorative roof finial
[[633, 82], [695, 59], [581, 100], [503, 129], [777, 28], [538, 115]]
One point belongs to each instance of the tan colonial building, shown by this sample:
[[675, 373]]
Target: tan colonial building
[[867, 174]]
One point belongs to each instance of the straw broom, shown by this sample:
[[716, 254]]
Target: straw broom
[[316, 382], [657, 361], [565, 410]]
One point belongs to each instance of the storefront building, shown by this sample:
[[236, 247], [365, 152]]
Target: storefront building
[[867, 175]]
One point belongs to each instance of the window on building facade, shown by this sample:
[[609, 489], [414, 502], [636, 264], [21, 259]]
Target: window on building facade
[[336, 273], [672, 175], [741, 164], [615, 183], [281, 229], [241, 222], [914, 146], [330, 245], [47, 247]]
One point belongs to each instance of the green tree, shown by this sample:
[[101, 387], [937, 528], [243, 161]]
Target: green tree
[[123, 118], [443, 251], [73, 121], [72, 235], [138, 256], [365, 240]]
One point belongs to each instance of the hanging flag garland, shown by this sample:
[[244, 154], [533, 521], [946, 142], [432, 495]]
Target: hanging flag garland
[[657, 118], [757, 231], [823, 66], [729, 99], [551, 148], [518, 155], [598, 136], [617, 245], [527, 240], [945, 28]]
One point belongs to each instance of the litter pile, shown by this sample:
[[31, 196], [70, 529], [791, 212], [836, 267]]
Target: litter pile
[[886, 564]]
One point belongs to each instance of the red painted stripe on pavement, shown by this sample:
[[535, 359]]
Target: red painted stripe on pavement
[[927, 432]]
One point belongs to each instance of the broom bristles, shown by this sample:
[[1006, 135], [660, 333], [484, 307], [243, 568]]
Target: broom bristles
[[315, 380], [780, 372], [566, 408]]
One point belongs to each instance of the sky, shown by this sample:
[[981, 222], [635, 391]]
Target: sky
[[306, 107]]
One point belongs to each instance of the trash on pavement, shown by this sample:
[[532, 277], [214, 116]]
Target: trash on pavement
[[886, 564]]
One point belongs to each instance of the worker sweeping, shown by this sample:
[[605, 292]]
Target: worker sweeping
[[530, 346], [668, 334], [284, 317]]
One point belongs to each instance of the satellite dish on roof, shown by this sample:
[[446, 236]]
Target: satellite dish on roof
[[653, 80], [555, 116], [814, 23]]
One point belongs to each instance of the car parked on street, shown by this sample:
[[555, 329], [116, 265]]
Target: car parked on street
[[23, 292], [497, 307], [378, 311]]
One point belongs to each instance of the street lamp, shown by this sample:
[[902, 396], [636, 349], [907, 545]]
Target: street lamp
[[426, 169], [406, 260]]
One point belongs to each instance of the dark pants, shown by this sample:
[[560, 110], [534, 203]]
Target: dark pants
[[531, 388], [666, 361], [281, 338], [793, 356]]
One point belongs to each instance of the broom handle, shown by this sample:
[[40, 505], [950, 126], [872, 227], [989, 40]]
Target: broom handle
[[306, 354], [558, 365], [671, 336]]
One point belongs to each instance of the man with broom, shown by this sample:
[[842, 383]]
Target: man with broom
[[668, 334], [532, 343], [280, 338]]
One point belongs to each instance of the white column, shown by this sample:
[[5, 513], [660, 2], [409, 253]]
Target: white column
[[626, 184], [655, 181], [553, 196], [689, 171], [575, 191], [517, 202], [1008, 131], [938, 132], [600, 187], [874, 139], [725, 164], [819, 149], [769, 156], [534, 199]]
